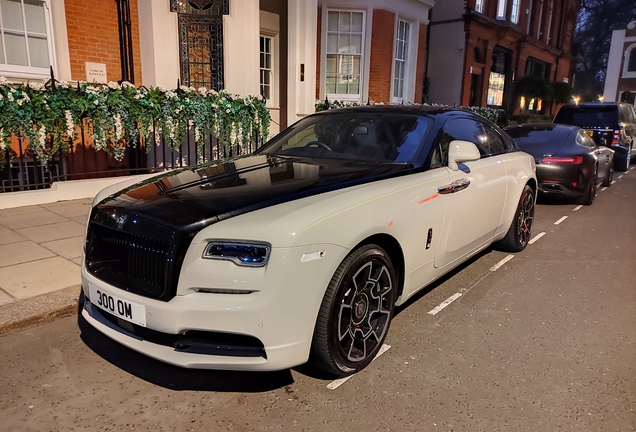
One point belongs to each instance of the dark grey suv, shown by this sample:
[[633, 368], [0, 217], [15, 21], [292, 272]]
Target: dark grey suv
[[612, 124]]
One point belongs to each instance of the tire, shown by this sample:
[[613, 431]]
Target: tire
[[356, 312], [623, 162], [590, 193], [520, 230], [607, 181]]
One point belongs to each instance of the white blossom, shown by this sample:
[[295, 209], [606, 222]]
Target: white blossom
[[96, 102], [113, 85], [126, 84], [10, 97], [70, 125], [119, 130], [64, 84], [35, 85], [3, 80]]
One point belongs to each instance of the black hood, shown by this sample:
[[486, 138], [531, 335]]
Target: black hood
[[190, 199]]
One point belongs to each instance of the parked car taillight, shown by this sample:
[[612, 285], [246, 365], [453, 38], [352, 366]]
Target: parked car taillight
[[562, 160], [616, 138]]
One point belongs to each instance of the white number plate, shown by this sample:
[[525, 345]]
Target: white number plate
[[124, 309]]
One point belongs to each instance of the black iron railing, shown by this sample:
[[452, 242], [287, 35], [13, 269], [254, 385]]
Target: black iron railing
[[22, 171]]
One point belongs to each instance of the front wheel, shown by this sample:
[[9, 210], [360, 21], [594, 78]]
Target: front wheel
[[356, 312], [518, 234]]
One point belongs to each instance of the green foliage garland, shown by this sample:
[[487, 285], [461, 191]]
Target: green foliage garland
[[117, 115]]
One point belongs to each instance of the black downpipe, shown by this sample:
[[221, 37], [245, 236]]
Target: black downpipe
[[425, 82], [124, 25]]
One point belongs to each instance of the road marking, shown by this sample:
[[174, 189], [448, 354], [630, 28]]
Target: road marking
[[340, 381], [445, 303], [602, 189], [620, 176], [613, 181], [537, 237], [577, 208], [561, 220], [501, 263]]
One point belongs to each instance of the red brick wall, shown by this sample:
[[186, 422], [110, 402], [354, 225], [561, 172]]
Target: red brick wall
[[382, 36], [421, 63], [93, 36]]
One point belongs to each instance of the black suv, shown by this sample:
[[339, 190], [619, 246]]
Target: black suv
[[612, 124]]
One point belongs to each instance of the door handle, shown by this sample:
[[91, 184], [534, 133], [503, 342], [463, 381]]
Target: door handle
[[455, 186]]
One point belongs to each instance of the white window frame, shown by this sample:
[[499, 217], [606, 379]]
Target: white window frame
[[271, 102], [514, 13], [406, 61], [479, 6], [32, 72], [630, 51], [363, 55], [501, 9]]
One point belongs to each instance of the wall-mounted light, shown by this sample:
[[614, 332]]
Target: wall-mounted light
[[522, 102]]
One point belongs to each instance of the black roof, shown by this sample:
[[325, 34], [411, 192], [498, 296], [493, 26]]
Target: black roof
[[541, 126]]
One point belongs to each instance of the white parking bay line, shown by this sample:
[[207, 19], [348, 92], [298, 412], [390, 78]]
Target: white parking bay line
[[445, 303], [620, 176], [537, 237], [501, 263], [602, 189], [613, 181], [340, 381], [561, 220], [577, 208]]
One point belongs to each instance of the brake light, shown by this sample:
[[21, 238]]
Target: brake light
[[562, 160], [616, 138]]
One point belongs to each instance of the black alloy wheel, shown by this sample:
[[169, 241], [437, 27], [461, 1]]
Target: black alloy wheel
[[356, 312], [520, 230], [590, 193]]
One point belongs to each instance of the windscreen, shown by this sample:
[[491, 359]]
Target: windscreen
[[355, 135], [539, 140], [588, 116]]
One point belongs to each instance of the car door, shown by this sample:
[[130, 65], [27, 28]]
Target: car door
[[474, 209]]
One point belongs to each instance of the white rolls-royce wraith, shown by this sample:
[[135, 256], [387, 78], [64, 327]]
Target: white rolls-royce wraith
[[303, 249]]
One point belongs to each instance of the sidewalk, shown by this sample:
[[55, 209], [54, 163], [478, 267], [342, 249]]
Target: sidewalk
[[40, 258]]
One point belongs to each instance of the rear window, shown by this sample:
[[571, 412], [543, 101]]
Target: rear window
[[588, 116], [546, 140]]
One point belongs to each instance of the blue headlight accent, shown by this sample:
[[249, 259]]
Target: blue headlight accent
[[242, 254]]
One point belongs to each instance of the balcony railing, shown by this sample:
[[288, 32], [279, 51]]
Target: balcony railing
[[22, 170]]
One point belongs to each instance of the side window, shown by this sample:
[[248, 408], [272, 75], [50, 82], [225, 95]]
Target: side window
[[509, 143], [465, 130], [495, 142]]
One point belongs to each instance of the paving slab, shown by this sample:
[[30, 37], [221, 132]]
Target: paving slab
[[20, 210], [29, 280], [71, 209], [68, 248], [9, 236], [81, 219], [23, 252], [28, 220], [46, 233]]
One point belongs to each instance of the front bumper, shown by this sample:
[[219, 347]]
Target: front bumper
[[280, 313]]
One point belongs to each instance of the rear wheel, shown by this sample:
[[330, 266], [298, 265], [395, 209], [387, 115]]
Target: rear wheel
[[520, 229], [356, 312], [624, 161], [590, 193]]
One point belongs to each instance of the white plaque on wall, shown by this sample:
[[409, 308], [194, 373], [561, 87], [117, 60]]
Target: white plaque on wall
[[95, 72]]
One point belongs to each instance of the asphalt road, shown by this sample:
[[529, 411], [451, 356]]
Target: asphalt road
[[547, 342]]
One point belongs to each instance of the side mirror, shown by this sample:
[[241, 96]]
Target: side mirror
[[461, 151]]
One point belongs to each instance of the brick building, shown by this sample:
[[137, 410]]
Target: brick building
[[620, 78], [479, 47]]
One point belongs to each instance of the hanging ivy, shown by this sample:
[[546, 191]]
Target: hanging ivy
[[117, 115]]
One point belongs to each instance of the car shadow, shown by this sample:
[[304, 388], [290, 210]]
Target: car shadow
[[556, 200], [174, 377]]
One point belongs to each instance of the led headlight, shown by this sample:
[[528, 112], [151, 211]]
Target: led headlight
[[242, 254]]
